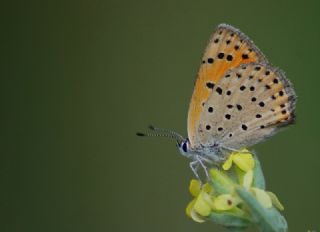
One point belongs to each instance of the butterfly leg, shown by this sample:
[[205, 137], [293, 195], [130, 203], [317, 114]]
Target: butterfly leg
[[206, 160], [200, 160], [194, 165]]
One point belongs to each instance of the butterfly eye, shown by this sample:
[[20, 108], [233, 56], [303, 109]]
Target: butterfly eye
[[184, 147]]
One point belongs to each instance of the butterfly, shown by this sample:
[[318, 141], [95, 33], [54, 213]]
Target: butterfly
[[239, 100]]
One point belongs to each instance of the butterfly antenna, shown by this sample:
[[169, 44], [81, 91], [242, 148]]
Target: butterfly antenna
[[159, 132]]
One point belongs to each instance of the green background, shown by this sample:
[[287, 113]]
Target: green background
[[78, 80]]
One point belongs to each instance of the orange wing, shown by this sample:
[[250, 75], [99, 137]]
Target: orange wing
[[227, 48]]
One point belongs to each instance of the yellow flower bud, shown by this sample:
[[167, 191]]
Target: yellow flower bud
[[194, 187], [247, 180], [262, 197], [224, 202], [244, 161], [228, 163], [222, 179], [203, 204], [275, 201]]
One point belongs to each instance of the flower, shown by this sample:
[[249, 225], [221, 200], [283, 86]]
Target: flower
[[262, 196], [201, 204], [243, 159], [205, 202], [235, 195]]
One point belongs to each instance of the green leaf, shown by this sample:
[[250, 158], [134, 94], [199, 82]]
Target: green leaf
[[228, 219], [268, 220], [258, 180]]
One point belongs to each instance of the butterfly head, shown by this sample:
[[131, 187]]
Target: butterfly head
[[184, 147]]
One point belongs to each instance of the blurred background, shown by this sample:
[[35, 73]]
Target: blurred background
[[79, 78]]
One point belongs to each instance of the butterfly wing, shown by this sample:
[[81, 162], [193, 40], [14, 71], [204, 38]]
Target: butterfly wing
[[227, 48], [247, 105]]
